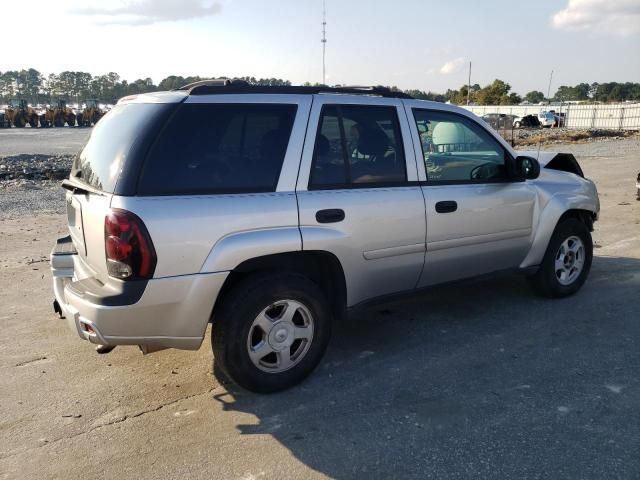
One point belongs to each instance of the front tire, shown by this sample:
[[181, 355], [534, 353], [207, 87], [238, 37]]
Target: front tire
[[567, 261], [271, 331]]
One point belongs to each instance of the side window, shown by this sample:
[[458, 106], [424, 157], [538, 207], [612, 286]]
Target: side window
[[456, 149], [219, 148], [358, 145]]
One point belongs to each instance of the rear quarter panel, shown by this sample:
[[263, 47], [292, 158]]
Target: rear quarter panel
[[185, 229]]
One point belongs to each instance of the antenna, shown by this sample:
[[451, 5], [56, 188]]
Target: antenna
[[469, 85], [324, 41]]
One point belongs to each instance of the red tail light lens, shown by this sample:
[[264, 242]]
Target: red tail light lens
[[128, 248]]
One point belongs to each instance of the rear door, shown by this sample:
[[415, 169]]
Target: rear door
[[358, 194], [479, 220]]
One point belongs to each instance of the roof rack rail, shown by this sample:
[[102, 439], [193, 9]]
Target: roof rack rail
[[214, 82], [234, 86]]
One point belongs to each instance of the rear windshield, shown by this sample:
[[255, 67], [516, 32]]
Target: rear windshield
[[111, 142], [219, 148]]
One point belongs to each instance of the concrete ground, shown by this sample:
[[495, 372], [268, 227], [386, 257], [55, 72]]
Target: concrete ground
[[475, 380], [37, 141]]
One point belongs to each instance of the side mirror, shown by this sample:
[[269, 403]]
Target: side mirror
[[527, 168]]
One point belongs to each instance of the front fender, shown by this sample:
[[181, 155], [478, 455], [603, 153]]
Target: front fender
[[232, 250], [553, 210]]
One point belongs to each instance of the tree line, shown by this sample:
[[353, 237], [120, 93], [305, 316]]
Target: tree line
[[499, 93], [36, 88]]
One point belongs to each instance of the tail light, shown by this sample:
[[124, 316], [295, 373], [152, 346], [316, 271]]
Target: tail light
[[129, 251]]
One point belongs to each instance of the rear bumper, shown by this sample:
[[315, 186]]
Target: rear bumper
[[166, 312]]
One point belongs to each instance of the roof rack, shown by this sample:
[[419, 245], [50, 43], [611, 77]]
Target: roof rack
[[215, 82], [235, 86]]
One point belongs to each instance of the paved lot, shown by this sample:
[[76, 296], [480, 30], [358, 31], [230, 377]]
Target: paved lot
[[475, 380], [52, 141]]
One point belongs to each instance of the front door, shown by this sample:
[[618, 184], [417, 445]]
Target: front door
[[479, 220], [358, 194]]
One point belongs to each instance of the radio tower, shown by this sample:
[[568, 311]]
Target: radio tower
[[324, 41]]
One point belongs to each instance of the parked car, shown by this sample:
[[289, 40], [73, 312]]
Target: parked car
[[547, 119], [526, 121], [559, 118], [499, 120], [272, 211]]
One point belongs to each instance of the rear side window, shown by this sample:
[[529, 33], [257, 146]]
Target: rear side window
[[357, 145], [112, 142], [219, 148]]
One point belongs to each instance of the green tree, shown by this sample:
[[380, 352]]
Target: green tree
[[534, 96]]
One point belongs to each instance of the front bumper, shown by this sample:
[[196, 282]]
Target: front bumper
[[166, 312]]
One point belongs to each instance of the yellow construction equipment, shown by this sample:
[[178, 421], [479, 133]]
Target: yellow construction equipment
[[19, 114], [91, 113], [57, 114]]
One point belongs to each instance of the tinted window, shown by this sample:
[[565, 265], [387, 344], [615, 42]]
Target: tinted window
[[103, 157], [218, 148], [357, 145], [457, 149]]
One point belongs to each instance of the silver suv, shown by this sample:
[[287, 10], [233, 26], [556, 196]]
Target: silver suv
[[272, 211]]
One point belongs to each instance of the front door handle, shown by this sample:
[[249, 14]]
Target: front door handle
[[330, 215], [446, 206]]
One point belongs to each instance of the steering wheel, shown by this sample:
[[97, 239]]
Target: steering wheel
[[484, 171]]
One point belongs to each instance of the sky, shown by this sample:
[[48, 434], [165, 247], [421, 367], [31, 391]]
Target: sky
[[420, 44]]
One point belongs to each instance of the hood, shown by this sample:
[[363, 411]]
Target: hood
[[543, 157], [564, 162]]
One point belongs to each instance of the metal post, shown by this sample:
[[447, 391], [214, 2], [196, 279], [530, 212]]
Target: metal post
[[621, 118], [469, 85], [324, 41], [549, 88]]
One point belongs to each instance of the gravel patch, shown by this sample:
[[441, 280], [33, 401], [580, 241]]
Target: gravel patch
[[28, 197], [545, 136], [30, 184], [34, 167]]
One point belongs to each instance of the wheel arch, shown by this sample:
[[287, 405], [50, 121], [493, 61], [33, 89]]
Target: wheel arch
[[320, 266], [556, 211]]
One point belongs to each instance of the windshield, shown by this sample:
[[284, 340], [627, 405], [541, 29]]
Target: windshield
[[106, 152]]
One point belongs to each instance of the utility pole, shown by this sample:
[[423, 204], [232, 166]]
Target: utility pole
[[324, 41], [549, 88], [469, 85]]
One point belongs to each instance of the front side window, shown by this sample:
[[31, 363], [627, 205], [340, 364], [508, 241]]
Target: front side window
[[219, 148], [357, 145], [456, 149]]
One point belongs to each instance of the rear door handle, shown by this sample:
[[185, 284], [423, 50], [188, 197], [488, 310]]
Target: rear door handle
[[446, 206], [330, 215]]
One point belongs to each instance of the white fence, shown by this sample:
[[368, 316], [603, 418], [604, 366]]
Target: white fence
[[614, 116]]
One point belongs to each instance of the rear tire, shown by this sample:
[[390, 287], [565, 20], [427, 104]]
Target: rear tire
[[270, 331], [567, 261]]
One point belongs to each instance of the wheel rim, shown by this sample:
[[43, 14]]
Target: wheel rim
[[569, 260], [280, 336]]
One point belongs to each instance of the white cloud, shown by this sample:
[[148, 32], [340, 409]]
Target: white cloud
[[452, 66], [614, 17], [147, 12]]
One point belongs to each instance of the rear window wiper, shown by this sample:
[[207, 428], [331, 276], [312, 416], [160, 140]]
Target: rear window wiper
[[74, 188]]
